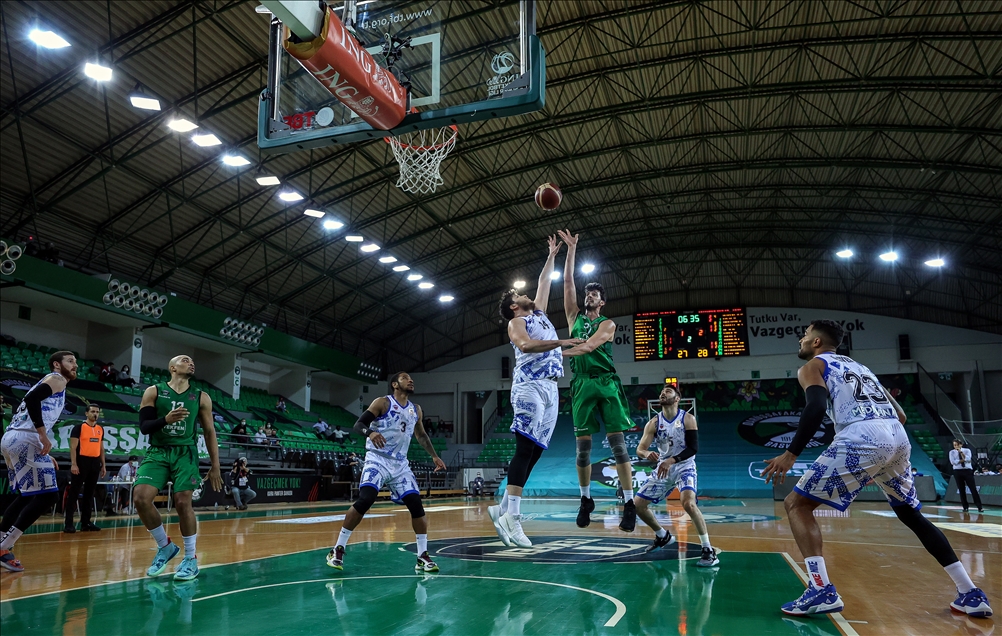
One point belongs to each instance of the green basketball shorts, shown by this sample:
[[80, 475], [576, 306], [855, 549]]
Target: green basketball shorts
[[178, 464], [601, 394]]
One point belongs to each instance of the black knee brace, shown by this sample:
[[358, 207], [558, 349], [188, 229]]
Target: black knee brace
[[366, 497], [932, 538], [413, 503], [527, 453], [583, 457], [617, 442]]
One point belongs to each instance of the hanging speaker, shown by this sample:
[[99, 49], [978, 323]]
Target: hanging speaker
[[904, 347], [505, 368]]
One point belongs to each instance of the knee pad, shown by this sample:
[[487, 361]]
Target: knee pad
[[366, 497], [413, 503], [583, 457], [617, 442]]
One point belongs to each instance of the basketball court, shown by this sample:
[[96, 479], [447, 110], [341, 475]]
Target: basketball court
[[313, 198]]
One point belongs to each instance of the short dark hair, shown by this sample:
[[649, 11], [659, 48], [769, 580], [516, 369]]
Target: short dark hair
[[957, 441], [597, 287], [504, 306], [831, 332], [58, 356], [396, 377], [93, 406]]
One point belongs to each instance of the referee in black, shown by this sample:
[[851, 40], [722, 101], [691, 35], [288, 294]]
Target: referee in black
[[87, 465], [963, 471]]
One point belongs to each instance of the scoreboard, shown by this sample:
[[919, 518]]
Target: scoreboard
[[679, 335]]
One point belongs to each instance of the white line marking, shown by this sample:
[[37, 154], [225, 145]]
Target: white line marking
[[837, 617], [620, 606]]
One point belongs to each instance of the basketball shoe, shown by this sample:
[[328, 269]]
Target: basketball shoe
[[815, 600], [495, 513], [163, 555], [584, 512], [425, 564], [973, 603], [187, 569], [660, 542], [335, 558], [629, 522], [708, 559], [513, 528], [9, 562]]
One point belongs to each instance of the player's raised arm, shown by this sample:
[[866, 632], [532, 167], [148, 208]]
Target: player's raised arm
[[543, 285], [520, 338], [571, 309]]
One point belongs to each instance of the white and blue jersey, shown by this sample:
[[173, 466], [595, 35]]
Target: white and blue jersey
[[30, 472], [52, 409], [397, 428], [855, 395], [669, 440], [538, 366]]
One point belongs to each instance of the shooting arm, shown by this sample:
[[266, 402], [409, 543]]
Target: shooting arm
[[571, 308], [543, 284]]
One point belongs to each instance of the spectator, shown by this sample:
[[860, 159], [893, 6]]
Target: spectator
[[280, 405], [240, 434], [915, 472], [321, 428], [477, 485], [271, 438], [963, 471], [124, 377], [86, 466], [339, 435], [261, 437], [108, 373], [240, 479], [127, 474]]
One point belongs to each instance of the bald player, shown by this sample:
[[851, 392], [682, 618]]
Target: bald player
[[170, 414]]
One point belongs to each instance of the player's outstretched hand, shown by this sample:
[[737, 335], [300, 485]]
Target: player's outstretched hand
[[777, 467], [439, 464], [568, 238], [377, 440], [215, 479], [176, 415], [554, 244], [572, 342]]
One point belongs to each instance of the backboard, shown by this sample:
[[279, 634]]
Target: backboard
[[461, 61]]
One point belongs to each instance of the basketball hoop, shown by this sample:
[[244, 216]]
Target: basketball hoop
[[420, 154]]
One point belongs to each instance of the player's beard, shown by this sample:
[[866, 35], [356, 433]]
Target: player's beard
[[805, 354]]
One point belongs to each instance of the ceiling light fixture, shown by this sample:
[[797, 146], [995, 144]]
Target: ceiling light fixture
[[401, 268], [235, 160], [290, 196], [144, 102], [97, 72], [889, 257], [181, 125], [519, 284], [413, 277], [935, 262], [268, 180], [426, 285], [445, 298], [387, 259], [846, 253], [354, 238], [47, 39], [317, 214], [554, 275], [587, 268], [331, 224], [206, 140], [370, 247]]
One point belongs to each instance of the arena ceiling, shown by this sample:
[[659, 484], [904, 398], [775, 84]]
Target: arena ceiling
[[710, 153]]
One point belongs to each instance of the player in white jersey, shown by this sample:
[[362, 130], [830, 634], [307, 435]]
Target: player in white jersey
[[388, 426], [534, 398], [25, 446], [870, 445], [675, 438]]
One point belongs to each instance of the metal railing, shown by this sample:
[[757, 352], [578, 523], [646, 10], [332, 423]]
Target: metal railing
[[936, 398]]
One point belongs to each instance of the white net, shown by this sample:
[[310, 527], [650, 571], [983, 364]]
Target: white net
[[420, 156]]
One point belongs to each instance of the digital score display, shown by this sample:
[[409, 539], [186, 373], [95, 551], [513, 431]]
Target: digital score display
[[679, 335]]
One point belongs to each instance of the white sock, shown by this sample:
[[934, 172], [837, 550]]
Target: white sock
[[627, 495], [960, 577], [189, 545], [704, 540], [160, 536], [816, 572], [504, 503], [342, 537], [586, 491], [660, 533], [10, 538], [422, 543], [515, 506]]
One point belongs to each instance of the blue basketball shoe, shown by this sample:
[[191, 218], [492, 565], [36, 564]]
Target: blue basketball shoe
[[815, 600], [187, 570], [973, 603], [163, 555]]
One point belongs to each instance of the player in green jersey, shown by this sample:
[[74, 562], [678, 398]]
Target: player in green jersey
[[595, 389], [170, 414]]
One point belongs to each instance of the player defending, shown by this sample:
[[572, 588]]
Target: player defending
[[538, 365], [388, 425], [26, 445], [595, 387], [673, 433], [170, 413], [870, 445]]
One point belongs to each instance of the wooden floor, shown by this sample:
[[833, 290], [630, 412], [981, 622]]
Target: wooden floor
[[275, 555]]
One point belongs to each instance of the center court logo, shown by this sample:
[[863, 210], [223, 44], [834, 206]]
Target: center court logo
[[776, 430], [559, 549]]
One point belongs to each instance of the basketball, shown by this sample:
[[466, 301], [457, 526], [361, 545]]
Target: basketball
[[549, 196]]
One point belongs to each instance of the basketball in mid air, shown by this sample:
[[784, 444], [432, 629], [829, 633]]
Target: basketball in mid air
[[549, 196]]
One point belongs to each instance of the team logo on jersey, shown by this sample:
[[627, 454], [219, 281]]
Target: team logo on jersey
[[777, 428], [560, 549], [165, 393]]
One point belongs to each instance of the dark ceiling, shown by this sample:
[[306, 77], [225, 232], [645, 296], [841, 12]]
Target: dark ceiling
[[710, 154]]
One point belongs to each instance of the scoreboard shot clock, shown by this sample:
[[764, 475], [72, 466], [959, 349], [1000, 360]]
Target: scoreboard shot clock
[[681, 335]]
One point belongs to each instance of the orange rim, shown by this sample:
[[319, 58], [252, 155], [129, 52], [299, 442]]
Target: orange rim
[[455, 133]]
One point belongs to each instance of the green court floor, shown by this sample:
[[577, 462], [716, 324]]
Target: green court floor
[[480, 590]]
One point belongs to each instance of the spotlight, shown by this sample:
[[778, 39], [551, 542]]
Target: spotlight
[[158, 312], [387, 259], [426, 285], [401, 268], [128, 304], [222, 332], [181, 125], [413, 277], [317, 214], [97, 72], [124, 288], [290, 196], [113, 284], [138, 99], [331, 224], [148, 310], [108, 298], [935, 262], [370, 247], [119, 301], [47, 39], [268, 180], [134, 292], [445, 298], [554, 275], [139, 306], [206, 140], [227, 322], [235, 160], [354, 238], [587, 268], [7, 267], [519, 284], [154, 297], [14, 252], [846, 253], [3, 248], [162, 301], [144, 294], [889, 257]]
